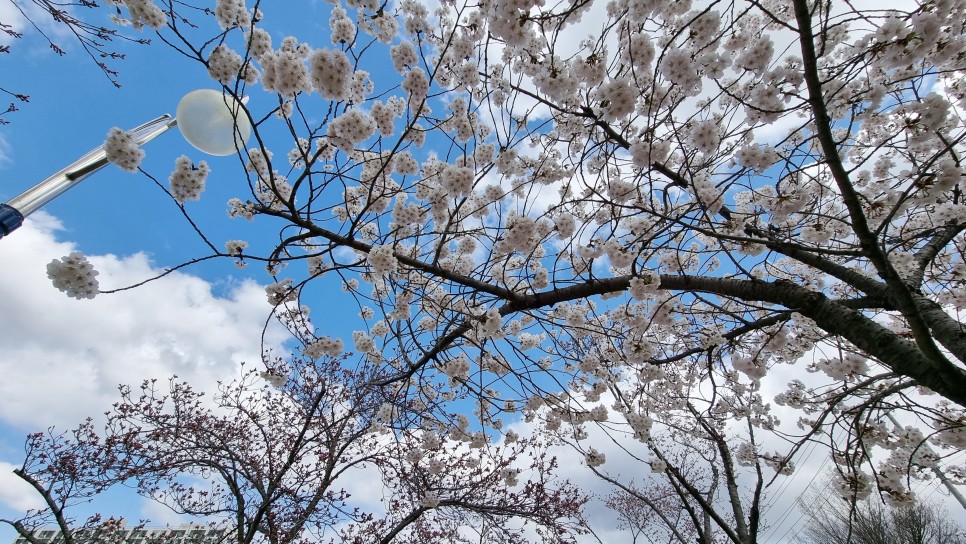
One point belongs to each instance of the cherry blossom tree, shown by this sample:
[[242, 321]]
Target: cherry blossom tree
[[627, 217], [279, 465]]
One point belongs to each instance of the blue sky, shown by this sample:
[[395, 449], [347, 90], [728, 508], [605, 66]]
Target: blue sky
[[71, 109], [64, 358]]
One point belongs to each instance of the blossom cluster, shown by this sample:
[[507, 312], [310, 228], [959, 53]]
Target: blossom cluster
[[530, 341], [235, 247], [122, 149], [429, 500], [232, 13], [640, 424], [284, 71], [141, 13], [382, 26], [280, 292], [951, 429], [275, 380], [74, 275], [756, 158], [704, 136], [457, 368], [323, 346], [416, 84], [753, 367], [363, 342], [187, 182], [746, 455], [678, 67], [382, 260], [779, 464], [330, 72], [259, 42], [237, 208], [757, 56], [645, 285], [343, 29], [846, 368], [403, 56], [275, 193], [385, 116], [594, 458], [224, 65], [349, 129]]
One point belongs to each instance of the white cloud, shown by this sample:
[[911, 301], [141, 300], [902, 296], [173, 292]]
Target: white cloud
[[5, 158], [63, 358], [26, 17], [14, 492], [13, 18]]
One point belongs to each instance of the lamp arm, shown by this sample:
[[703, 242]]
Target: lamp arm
[[16, 209]]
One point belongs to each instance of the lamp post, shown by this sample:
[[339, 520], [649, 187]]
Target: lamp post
[[209, 120]]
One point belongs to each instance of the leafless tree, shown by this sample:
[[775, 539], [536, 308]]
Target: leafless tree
[[835, 521], [277, 466]]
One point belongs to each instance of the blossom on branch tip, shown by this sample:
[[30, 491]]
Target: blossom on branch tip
[[187, 182], [273, 379], [237, 208], [704, 136], [74, 275], [756, 157], [224, 65], [284, 70], [280, 292], [323, 346], [123, 150], [349, 129], [403, 56], [594, 458], [141, 12], [363, 342], [260, 42], [235, 247], [416, 84], [330, 71], [640, 424], [232, 13], [343, 29]]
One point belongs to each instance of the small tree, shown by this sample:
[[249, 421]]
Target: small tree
[[278, 466], [832, 520]]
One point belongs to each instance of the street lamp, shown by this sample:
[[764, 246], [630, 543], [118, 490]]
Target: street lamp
[[209, 120]]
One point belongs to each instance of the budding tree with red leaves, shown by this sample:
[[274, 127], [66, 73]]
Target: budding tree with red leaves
[[623, 217], [277, 465]]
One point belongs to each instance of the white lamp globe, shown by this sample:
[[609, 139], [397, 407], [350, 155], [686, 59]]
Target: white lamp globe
[[213, 122]]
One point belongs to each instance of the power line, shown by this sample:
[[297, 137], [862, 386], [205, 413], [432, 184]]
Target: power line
[[794, 505]]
